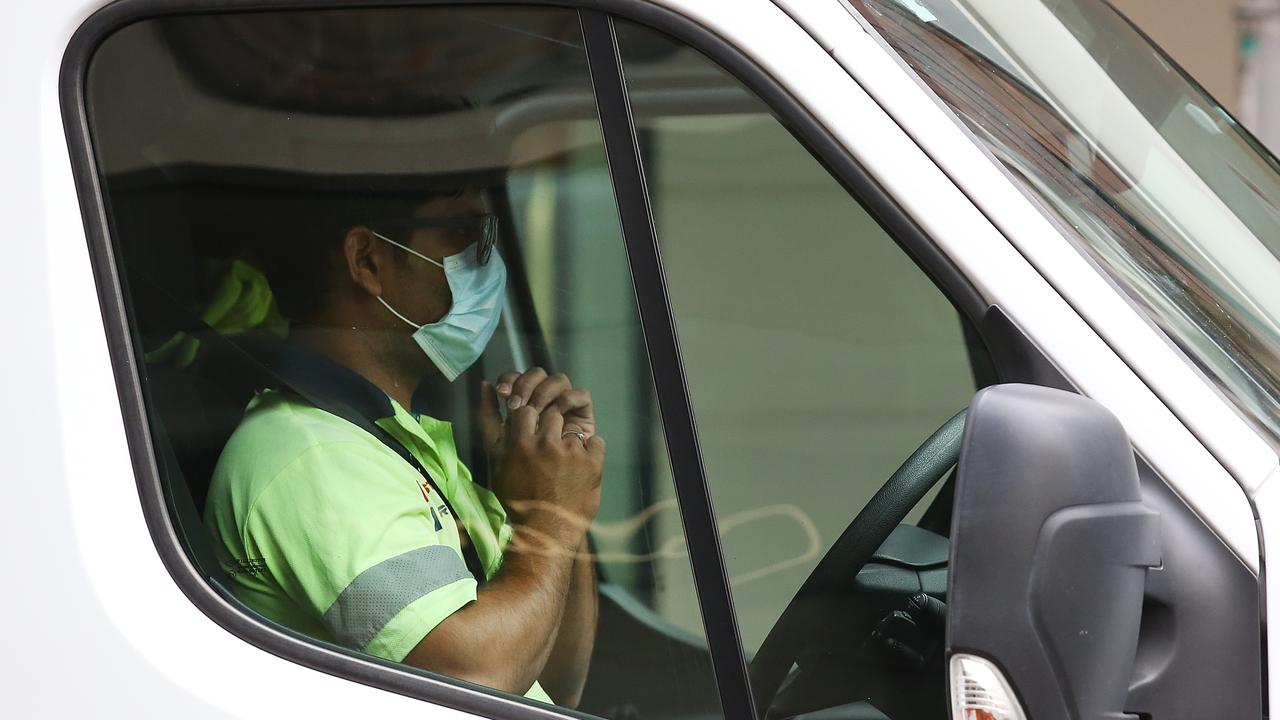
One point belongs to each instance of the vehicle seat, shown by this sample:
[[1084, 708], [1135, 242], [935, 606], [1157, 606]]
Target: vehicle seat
[[191, 420]]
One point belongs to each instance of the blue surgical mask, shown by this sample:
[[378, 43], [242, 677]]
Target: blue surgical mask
[[456, 341]]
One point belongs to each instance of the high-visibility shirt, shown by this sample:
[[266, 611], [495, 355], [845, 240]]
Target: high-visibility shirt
[[323, 528]]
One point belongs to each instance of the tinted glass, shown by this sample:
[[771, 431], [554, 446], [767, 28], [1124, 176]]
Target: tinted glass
[[231, 146], [818, 355]]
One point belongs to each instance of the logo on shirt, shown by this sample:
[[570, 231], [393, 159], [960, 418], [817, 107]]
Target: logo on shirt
[[436, 510]]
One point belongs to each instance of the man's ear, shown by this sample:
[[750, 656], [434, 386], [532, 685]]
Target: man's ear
[[365, 261]]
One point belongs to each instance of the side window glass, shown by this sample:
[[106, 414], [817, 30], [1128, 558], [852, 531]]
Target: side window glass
[[818, 357], [336, 231]]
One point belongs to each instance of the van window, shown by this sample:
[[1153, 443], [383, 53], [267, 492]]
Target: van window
[[237, 152], [818, 355]]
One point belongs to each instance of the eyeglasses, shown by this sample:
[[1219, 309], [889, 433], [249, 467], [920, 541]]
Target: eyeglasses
[[480, 230]]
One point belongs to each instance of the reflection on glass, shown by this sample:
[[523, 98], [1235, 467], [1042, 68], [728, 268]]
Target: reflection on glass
[[239, 152], [1150, 176], [818, 357]]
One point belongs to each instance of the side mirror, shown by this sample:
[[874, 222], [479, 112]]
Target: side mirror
[[1050, 545]]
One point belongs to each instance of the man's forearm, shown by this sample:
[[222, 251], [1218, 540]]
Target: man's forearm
[[503, 640], [566, 671]]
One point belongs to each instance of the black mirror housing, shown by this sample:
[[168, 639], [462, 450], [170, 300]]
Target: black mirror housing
[[1050, 546]]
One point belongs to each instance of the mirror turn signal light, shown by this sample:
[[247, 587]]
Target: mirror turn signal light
[[979, 691]]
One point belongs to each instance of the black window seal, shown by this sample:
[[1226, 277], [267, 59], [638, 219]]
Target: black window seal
[[225, 611], [626, 166]]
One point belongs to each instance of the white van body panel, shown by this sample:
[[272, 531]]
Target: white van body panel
[[97, 626]]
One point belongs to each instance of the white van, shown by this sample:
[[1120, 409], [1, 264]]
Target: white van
[[786, 244]]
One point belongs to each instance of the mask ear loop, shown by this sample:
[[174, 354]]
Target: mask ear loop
[[407, 321], [407, 249]]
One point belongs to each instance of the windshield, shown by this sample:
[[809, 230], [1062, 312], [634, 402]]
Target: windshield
[[1145, 171]]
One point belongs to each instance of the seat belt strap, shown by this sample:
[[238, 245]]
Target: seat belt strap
[[266, 376], [353, 416]]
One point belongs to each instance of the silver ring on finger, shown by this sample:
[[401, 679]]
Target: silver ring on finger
[[576, 433]]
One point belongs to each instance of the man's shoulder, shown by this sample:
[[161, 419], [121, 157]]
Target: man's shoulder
[[277, 430], [277, 423]]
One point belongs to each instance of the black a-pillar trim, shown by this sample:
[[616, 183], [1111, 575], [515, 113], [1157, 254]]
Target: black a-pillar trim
[[658, 324]]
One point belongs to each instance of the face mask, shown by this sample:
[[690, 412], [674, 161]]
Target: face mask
[[456, 341]]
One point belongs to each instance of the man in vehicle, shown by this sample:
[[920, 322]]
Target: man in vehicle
[[332, 531]]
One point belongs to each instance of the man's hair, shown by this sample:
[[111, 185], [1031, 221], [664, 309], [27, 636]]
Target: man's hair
[[300, 248]]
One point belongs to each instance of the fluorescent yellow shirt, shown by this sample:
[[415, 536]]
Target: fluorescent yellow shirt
[[326, 530]]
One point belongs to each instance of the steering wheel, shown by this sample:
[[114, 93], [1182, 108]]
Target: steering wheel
[[801, 624]]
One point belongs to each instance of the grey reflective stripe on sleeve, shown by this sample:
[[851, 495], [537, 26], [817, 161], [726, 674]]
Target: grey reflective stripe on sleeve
[[379, 594]]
